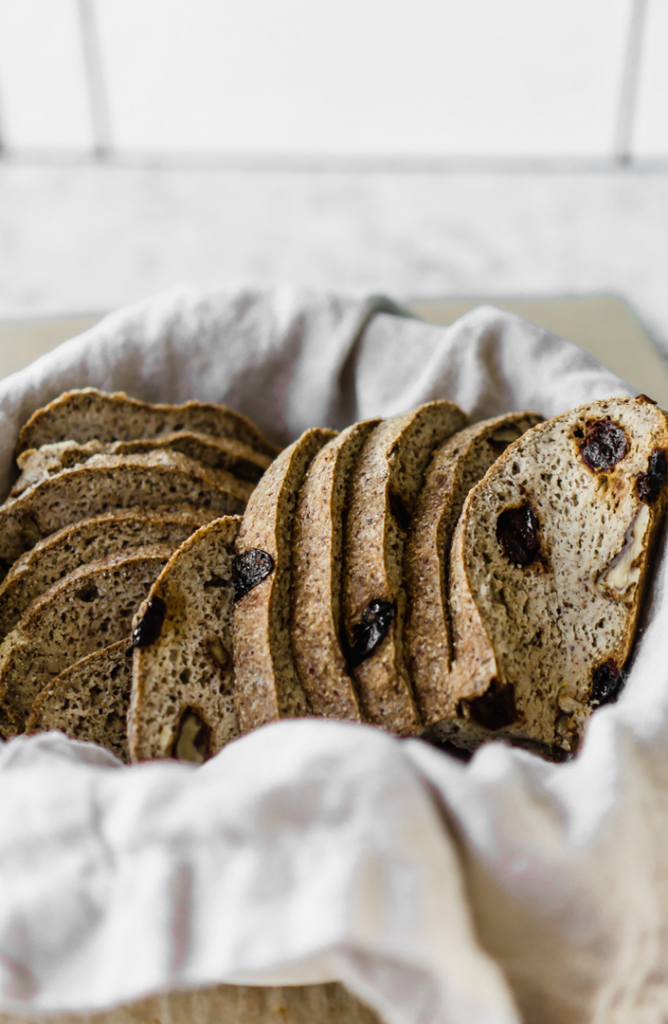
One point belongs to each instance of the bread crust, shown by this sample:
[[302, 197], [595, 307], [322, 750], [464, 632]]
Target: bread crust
[[87, 541], [189, 666], [327, 1003], [164, 480], [87, 610], [267, 684], [456, 466], [545, 628], [387, 478], [317, 553], [86, 413], [89, 700]]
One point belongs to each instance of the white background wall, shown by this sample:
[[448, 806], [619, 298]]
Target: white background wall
[[382, 79], [437, 147]]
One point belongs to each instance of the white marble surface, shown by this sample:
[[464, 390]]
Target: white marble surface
[[87, 238]]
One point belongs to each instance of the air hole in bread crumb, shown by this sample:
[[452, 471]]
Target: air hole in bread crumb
[[216, 581]]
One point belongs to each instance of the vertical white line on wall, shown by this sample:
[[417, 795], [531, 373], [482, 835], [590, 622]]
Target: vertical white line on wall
[[628, 92], [98, 98]]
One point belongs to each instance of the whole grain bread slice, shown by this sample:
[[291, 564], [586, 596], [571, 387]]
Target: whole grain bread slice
[[317, 554], [456, 466], [87, 413], [82, 613], [548, 567], [89, 700], [267, 685], [385, 483], [164, 480], [183, 672], [236, 466], [88, 541]]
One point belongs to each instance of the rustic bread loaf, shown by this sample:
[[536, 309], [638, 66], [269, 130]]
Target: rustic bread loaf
[[218, 456], [88, 413], [90, 609], [317, 553], [267, 686], [548, 566], [455, 467], [164, 480], [88, 541], [384, 487], [183, 672], [89, 700]]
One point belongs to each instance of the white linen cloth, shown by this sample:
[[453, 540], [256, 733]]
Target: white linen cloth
[[502, 890]]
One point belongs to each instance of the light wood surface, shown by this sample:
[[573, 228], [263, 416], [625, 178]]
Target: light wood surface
[[23, 341]]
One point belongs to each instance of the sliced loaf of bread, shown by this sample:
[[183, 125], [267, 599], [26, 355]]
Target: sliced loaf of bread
[[88, 413], [548, 567], [267, 685], [164, 480], [89, 700], [456, 466], [37, 463], [385, 483], [183, 672], [317, 558], [82, 613], [88, 541]]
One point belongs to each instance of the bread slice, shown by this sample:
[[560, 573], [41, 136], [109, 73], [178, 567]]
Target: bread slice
[[456, 466], [183, 672], [87, 610], [317, 553], [88, 541], [548, 567], [159, 480], [324, 1003], [236, 466], [89, 700], [267, 685], [385, 484], [88, 413]]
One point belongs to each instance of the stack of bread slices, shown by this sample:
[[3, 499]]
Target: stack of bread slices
[[173, 582]]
